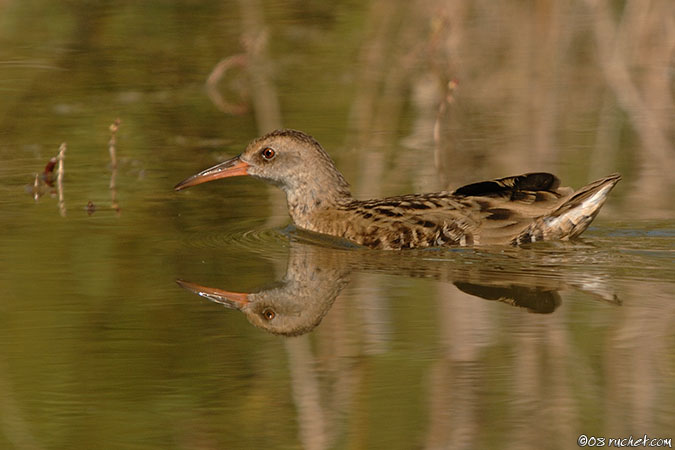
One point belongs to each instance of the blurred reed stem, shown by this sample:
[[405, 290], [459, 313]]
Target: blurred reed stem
[[59, 179], [112, 149]]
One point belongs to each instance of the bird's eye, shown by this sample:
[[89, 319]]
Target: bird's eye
[[269, 314], [268, 153]]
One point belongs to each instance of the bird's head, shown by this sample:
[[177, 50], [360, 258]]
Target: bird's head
[[290, 159]]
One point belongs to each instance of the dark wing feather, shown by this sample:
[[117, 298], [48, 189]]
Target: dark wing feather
[[511, 187]]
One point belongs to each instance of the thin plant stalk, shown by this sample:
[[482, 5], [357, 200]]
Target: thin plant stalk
[[59, 179], [112, 148]]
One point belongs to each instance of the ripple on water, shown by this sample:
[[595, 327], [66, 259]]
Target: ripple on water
[[638, 251], [256, 240]]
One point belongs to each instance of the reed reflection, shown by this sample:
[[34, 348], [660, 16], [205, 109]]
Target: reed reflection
[[316, 275]]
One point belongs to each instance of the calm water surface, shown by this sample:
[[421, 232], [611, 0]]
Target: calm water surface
[[456, 348]]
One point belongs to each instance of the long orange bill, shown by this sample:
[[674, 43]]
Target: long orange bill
[[234, 300], [231, 168]]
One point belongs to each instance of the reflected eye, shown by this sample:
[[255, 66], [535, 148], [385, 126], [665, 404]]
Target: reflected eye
[[268, 153], [268, 313]]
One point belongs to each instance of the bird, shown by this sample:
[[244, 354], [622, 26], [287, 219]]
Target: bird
[[317, 274], [513, 210]]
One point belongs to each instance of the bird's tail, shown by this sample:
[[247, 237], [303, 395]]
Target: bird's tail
[[572, 217]]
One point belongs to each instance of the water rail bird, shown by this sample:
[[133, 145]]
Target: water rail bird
[[512, 210]]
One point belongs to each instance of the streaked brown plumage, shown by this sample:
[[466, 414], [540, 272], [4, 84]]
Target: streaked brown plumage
[[513, 210]]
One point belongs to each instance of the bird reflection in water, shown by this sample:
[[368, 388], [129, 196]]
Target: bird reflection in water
[[316, 275], [314, 278]]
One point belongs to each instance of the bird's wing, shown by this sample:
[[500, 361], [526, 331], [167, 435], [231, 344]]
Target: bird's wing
[[504, 207], [488, 212]]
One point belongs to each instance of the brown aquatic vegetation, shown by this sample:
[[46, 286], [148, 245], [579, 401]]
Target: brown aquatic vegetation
[[54, 172], [512, 210], [48, 173]]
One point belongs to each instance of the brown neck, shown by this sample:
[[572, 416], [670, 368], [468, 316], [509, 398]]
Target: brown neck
[[308, 206]]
